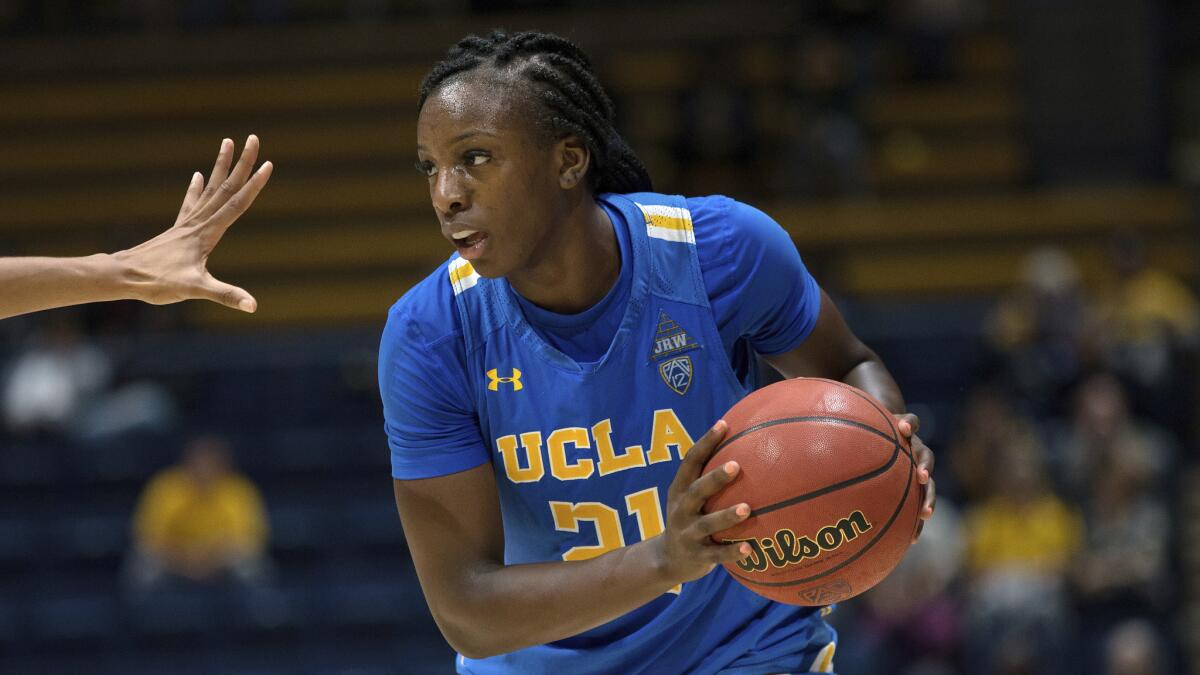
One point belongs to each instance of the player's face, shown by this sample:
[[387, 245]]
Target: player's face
[[492, 179]]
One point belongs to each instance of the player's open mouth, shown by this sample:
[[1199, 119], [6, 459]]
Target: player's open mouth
[[470, 243]]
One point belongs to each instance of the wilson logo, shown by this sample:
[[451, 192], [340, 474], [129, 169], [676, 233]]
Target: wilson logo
[[785, 548]]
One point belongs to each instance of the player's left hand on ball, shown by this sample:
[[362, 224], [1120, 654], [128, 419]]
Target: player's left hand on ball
[[173, 266], [909, 425]]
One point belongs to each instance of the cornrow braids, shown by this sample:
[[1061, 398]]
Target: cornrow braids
[[570, 99]]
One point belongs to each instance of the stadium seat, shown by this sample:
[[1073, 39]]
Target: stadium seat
[[87, 617], [18, 545], [95, 540], [178, 616]]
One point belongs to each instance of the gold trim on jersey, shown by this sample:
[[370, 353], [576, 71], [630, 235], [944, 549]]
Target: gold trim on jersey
[[669, 223], [823, 663], [462, 275]]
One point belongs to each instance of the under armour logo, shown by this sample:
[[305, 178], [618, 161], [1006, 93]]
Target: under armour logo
[[494, 380]]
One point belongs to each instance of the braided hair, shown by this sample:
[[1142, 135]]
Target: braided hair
[[570, 99]]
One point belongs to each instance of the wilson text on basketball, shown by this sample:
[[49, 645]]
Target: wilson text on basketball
[[785, 548]]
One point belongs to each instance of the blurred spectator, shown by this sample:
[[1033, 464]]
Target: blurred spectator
[[1104, 433], [1149, 303], [1020, 543], [933, 29], [990, 421], [1134, 648], [716, 135], [1150, 320], [912, 621], [828, 150], [63, 384], [1035, 332], [1124, 567], [54, 378], [199, 522]]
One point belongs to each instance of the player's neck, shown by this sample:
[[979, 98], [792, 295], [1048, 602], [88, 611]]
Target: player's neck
[[578, 268]]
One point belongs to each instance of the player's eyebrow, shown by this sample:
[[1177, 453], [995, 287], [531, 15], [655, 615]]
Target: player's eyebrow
[[465, 135]]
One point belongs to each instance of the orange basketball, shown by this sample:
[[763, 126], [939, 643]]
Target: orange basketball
[[832, 487]]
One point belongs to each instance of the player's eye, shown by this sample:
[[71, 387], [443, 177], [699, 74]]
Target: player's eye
[[475, 157], [426, 168]]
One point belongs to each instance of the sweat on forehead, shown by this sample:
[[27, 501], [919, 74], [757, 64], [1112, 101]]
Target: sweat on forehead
[[497, 97]]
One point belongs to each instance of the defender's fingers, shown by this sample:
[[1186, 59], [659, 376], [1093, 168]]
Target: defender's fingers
[[227, 294], [722, 520], [190, 197], [236, 179], [238, 203], [245, 163], [219, 171], [709, 484]]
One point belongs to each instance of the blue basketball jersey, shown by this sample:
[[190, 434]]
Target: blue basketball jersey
[[584, 454]]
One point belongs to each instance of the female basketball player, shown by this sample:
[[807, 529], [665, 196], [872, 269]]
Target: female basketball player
[[543, 387], [168, 268]]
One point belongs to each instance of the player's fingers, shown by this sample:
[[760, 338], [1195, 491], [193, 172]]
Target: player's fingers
[[930, 501], [190, 197], [227, 294], [238, 203], [727, 553], [925, 461], [697, 455], [908, 423], [709, 484], [722, 520]]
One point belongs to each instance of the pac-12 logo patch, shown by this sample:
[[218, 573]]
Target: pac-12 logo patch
[[677, 373], [670, 343]]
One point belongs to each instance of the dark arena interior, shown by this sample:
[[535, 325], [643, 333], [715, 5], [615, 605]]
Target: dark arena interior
[[1001, 196]]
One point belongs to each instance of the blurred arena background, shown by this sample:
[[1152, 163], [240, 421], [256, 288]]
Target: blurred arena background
[[1002, 195]]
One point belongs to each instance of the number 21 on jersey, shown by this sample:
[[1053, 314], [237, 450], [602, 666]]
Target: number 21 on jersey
[[642, 505]]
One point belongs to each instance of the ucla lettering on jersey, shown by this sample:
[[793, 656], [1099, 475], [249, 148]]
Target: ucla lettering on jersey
[[584, 454]]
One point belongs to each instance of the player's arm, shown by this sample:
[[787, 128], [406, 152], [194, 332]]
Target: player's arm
[[484, 607], [764, 292], [168, 268], [832, 351]]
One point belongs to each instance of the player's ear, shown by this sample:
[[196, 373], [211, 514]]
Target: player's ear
[[573, 162]]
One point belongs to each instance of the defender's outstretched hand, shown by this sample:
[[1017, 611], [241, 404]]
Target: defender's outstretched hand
[[173, 266], [168, 268]]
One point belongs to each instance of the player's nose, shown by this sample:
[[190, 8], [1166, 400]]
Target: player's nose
[[449, 193]]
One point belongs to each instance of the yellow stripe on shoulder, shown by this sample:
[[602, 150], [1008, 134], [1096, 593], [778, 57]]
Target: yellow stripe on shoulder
[[823, 662], [462, 275], [670, 223]]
